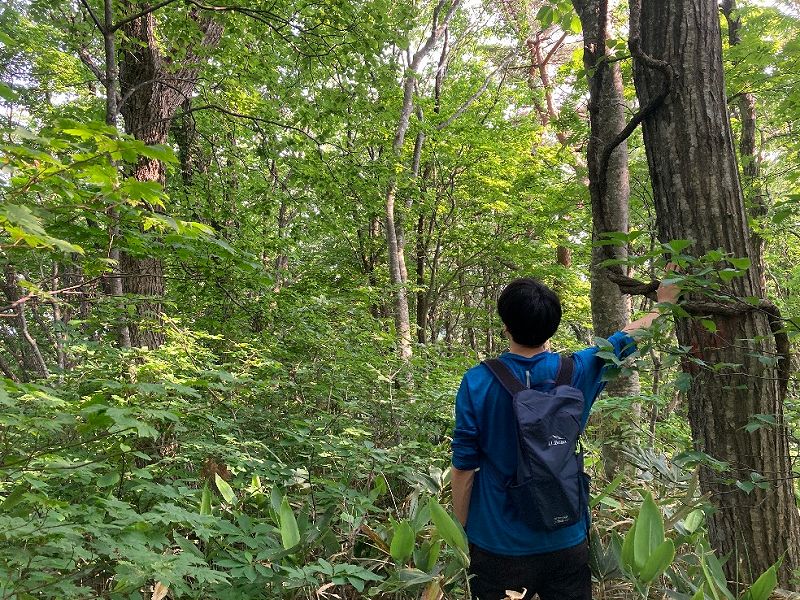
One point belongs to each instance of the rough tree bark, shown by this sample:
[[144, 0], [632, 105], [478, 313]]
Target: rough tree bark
[[698, 196], [152, 89]]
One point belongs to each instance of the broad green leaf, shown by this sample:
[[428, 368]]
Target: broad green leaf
[[709, 324], [290, 534], [6, 93], [693, 520], [108, 480], [224, 489], [676, 246], [158, 152], [649, 532], [545, 16], [427, 554], [740, 263], [683, 381], [451, 532], [627, 549], [402, 542], [717, 582], [659, 560], [764, 585], [16, 496]]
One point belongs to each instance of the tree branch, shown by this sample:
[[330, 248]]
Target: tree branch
[[87, 60], [463, 108], [141, 14], [554, 49], [634, 44], [94, 17]]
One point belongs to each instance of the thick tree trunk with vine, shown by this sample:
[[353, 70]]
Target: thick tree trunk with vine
[[610, 307], [698, 196], [152, 88]]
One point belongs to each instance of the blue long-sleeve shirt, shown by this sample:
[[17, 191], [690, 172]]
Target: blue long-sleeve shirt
[[486, 427]]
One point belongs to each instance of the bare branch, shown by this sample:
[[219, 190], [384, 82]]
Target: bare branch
[[253, 118], [87, 60], [554, 49], [463, 108]]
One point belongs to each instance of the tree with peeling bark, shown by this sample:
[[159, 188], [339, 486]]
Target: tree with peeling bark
[[698, 197]]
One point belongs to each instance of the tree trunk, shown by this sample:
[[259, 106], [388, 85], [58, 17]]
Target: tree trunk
[[152, 89], [751, 166], [397, 268], [698, 196], [610, 308], [32, 357]]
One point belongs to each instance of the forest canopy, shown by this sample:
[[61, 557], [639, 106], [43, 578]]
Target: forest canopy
[[249, 249]]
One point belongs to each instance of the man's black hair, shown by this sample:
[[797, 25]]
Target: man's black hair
[[530, 310]]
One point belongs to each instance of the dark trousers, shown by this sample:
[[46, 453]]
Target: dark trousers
[[560, 575]]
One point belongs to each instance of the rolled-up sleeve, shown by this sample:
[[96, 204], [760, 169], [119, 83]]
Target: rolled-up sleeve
[[466, 452]]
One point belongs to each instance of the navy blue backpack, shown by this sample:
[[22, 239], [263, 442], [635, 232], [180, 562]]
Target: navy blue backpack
[[549, 490]]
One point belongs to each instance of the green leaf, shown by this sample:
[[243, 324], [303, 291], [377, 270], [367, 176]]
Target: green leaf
[[427, 554], [6, 93], [451, 533], [763, 586], [709, 325], [740, 263], [224, 489], [16, 496], [108, 480], [402, 542], [290, 534], [275, 499], [158, 152], [545, 16], [413, 577], [676, 246], [693, 520], [712, 571], [205, 500], [658, 561], [627, 549], [607, 490], [649, 532]]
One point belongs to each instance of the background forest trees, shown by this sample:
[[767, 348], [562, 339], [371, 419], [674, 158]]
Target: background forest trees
[[248, 249]]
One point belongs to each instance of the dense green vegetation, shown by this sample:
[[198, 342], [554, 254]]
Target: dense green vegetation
[[205, 389]]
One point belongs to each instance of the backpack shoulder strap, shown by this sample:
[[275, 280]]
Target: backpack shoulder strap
[[504, 375], [565, 369]]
